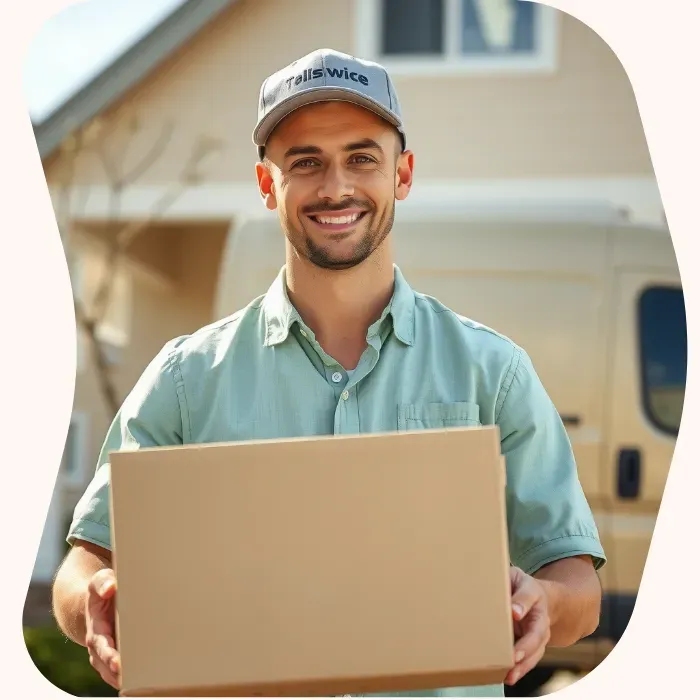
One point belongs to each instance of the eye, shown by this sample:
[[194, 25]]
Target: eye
[[305, 163], [359, 159]]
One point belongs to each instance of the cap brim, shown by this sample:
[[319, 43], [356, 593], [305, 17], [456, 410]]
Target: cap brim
[[313, 95]]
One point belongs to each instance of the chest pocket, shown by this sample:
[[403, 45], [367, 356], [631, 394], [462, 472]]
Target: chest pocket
[[432, 416]]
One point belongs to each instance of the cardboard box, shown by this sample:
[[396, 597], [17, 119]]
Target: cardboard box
[[313, 566]]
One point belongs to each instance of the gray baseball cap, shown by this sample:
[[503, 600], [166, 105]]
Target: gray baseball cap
[[321, 76]]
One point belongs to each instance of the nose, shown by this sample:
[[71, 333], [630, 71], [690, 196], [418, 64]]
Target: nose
[[336, 184]]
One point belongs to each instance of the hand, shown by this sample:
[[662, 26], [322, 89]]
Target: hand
[[530, 623], [100, 627]]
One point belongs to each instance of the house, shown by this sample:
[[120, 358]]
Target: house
[[504, 101]]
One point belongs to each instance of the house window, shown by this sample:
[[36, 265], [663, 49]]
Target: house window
[[412, 27], [498, 27], [457, 35], [664, 355]]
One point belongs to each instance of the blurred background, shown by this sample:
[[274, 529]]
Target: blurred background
[[535, 211]]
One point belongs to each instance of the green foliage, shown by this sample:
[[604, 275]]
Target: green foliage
[[64, 663]]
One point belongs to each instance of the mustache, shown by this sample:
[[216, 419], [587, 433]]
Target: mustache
[[339, 206]]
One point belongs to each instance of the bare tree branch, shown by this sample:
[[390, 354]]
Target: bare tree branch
[[104, 370], [90, 317], [151, 156], [126, 236]]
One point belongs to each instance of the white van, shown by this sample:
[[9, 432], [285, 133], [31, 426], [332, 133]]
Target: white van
[[598, 305]]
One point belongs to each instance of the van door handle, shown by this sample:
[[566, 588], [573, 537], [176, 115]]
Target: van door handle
[[629, 473]]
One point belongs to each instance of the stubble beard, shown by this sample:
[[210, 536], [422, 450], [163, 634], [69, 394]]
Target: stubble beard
[[319, 256]]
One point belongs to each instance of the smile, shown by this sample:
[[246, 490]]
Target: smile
[[337, 221]]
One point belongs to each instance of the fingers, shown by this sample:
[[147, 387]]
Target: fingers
[[104, 673], [99, 622], [526, 593], [536, 633], [99, 605], [103, 584], [525, 665], [529, 605], [104, 658], [530, 648]]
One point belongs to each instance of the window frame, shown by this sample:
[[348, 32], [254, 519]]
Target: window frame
[[643, 356], [368, 36]]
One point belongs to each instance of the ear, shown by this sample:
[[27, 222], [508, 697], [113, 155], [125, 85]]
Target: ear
[[266, 185], [404, 174]]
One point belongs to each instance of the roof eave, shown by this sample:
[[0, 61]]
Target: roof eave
[[127, 71]]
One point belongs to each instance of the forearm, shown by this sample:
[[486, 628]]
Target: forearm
[[573, 599], [70, 590], [69, 607]]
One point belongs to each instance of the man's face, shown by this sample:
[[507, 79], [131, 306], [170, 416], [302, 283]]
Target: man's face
[[333, 172]]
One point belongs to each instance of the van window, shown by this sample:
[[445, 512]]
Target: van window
[[664, 355]]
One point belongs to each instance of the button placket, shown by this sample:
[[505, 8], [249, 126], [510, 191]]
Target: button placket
[[347, 418]]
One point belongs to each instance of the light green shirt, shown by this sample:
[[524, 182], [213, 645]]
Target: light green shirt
[[261, 374]]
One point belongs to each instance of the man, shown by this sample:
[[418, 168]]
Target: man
[[342, 344]]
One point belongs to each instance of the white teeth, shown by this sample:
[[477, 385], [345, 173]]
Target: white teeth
[[338, 219]]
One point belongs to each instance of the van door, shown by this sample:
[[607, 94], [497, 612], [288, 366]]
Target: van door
[[646, 380]]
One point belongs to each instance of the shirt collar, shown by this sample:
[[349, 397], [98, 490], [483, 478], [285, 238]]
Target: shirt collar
[[280, 315]]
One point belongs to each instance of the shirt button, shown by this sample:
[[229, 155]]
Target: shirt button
[[303, 332], [337, 376], [345, 395]]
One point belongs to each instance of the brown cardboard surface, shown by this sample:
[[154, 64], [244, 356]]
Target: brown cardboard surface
[[313, 566]]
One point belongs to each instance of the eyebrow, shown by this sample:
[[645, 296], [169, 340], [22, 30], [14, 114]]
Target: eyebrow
[[315, 150], [362, 145]]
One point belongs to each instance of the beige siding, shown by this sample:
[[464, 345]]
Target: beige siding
[[581, 121], [179, 299]]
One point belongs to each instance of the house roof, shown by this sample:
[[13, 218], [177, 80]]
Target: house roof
[[126, 71]]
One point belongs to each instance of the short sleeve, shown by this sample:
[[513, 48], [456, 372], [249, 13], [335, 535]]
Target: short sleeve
[[151, 416], [549, 517]]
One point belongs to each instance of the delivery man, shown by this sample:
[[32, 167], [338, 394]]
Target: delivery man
[[342, 344]]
